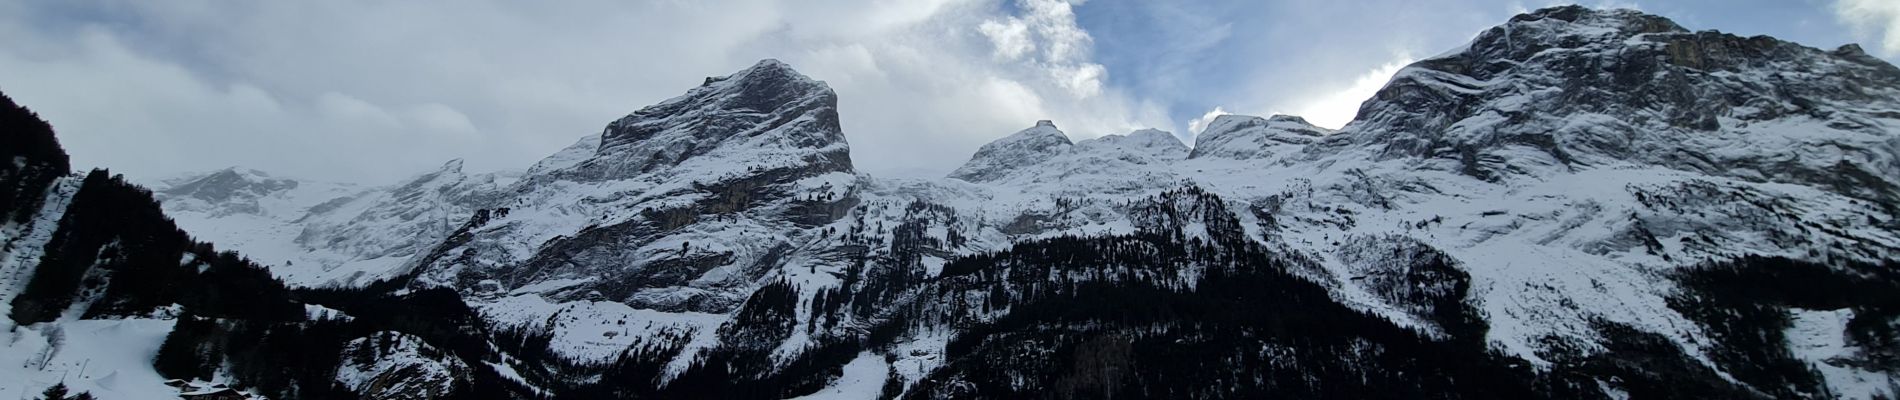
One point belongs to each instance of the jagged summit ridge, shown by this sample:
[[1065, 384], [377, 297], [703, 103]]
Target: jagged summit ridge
[[767, 116]]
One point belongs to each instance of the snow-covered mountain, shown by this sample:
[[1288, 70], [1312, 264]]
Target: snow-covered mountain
[[320, 234], [1578, 203], [682, 206]]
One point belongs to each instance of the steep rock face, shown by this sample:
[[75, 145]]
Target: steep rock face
[[1248, 137], [1569, 87], [681, 206]]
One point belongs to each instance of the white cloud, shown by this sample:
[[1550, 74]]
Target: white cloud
[[1048, 26], [1337, 106], [1054, 21], [1877, 20], [1082, 80], [1010, 36]]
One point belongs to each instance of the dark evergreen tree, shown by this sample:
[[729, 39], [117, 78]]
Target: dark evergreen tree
[[59, 392], [28, 139]]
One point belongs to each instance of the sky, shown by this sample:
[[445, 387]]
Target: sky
[[373, 92]]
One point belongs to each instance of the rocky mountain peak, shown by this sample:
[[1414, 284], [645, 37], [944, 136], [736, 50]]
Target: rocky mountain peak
[[1023, 148], [1568, 88], [664, 209], [1559, 29], [766, 117]]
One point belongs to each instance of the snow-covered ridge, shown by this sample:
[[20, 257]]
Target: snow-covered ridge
[[1244, 136], [1157, 142]]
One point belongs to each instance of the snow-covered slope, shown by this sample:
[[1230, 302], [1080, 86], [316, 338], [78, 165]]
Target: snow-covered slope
[[247, 210], [317, 234], [109, 358]]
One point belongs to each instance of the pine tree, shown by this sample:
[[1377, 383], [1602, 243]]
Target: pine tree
[[56, 392]]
